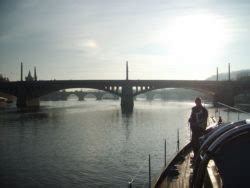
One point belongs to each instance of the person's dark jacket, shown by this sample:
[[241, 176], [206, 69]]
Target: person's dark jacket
[[198, 117]]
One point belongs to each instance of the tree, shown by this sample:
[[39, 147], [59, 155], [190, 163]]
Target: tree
[[3, 79]]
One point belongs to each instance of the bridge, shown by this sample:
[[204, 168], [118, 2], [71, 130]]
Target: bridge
[[163, 94], [28, 92], [81, 95]]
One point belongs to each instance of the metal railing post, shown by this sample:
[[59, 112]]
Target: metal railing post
[[129, 184], [149, 172], [178, 141], [165, 153]]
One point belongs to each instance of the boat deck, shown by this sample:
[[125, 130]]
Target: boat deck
[[183, 179], [179, 174]]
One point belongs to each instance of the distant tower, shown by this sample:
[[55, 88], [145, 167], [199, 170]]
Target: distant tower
[[127, 70], [217, 74], [35, 76], [21, 71], [229, 71], [29, 77]]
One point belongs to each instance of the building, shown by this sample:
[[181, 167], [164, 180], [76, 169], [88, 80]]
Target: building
[[29, 77]]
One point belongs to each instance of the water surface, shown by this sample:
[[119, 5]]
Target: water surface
[[89, 143]]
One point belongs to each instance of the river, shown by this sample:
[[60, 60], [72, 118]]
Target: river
[[90, 143]]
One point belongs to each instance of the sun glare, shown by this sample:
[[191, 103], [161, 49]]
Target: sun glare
[[195, 36]]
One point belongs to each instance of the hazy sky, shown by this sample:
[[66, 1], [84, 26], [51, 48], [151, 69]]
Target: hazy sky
[[93, 39]]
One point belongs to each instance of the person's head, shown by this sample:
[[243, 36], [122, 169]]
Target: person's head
[[198, 101]]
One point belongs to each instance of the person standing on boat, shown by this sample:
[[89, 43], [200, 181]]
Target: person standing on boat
[[198, 124]]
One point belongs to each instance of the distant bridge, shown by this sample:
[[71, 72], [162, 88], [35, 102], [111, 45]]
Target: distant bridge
[[164, 94], [81, 95], [28, 92]]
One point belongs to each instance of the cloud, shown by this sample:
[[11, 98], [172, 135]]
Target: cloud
[[93, 33]]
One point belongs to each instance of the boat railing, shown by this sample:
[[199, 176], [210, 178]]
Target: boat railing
[[138, 172], [147, 164], [223, 110], [182, 147], [232, 108], [147, 161]]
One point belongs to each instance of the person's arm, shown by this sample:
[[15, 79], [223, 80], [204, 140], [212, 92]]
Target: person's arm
[[206, 113], [191, 118], [204, 118]]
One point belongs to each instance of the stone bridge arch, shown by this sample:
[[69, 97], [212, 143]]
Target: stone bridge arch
[[28, 92], [98, 94], [90, 96], [109, 96], [72, 95], [150, 92]]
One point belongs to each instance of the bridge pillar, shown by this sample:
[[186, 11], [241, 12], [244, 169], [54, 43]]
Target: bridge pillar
[[149, 96], [81, 98], [21, 102], [98, 97], [127, 101], [164, 95], [25, 104]]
